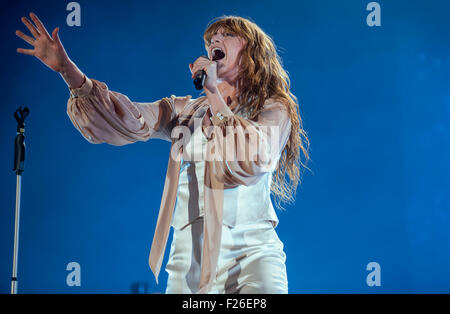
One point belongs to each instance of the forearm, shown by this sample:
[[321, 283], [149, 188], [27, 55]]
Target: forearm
[[73, 77], [217, 103]]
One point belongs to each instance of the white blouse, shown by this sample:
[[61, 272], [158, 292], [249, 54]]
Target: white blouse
[[242, 204]]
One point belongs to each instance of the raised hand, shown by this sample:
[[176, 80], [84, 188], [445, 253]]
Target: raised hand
[[47, 49]]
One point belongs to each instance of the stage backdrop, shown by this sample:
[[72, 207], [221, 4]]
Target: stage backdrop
[[373, 86]]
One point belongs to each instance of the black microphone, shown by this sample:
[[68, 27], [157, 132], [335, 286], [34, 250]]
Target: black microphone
[[200, 77]]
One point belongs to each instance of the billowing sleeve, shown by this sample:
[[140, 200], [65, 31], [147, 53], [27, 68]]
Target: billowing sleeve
[[104, 116], [247, 149]]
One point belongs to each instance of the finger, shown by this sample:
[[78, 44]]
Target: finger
[[27, 38], [55, 35], [192, 68], [31, 27], [195, 69], [198, 65], [202, 65], [201, 60], [39, 24], [26, 51]]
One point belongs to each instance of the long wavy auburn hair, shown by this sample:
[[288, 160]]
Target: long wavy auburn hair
[[261, 76]]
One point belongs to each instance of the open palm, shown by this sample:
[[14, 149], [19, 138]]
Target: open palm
[[47, 49]]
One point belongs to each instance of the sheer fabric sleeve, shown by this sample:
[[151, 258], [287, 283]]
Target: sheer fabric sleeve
[[244, 149], [104, 116]]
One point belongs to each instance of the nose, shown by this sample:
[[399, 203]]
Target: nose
[[216, 38]]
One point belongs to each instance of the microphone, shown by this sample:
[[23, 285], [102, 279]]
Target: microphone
[[200, 77]]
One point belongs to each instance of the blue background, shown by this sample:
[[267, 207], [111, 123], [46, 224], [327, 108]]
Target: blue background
[[375, 102]]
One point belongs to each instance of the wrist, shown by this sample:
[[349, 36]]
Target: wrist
[[65, 65], [73, 77], [212, 90]]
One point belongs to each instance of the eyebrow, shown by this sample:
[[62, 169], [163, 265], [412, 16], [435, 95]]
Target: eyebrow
[[223, 31]]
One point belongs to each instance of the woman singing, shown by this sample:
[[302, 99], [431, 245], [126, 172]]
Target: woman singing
[[216, 194]]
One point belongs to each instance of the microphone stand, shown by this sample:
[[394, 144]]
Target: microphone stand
[[19, 159]]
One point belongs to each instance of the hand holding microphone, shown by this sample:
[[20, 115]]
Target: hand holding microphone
[[199, 78], [204, 73]]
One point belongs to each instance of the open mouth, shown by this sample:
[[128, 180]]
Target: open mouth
[[217, 54]]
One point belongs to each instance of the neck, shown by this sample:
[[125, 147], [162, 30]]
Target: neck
[[227, 90]]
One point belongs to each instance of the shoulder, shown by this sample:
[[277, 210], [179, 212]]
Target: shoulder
[[276, 110], [274, 103]]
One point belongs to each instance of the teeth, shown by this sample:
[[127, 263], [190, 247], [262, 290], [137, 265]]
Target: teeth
[[216, 49]]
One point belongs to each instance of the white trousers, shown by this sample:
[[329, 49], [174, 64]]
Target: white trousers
[[251, 260]]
